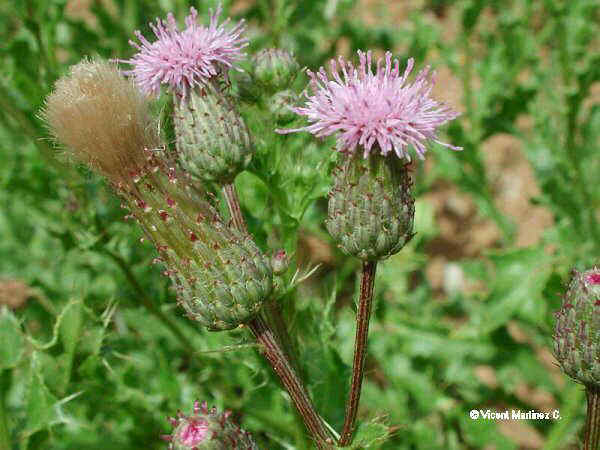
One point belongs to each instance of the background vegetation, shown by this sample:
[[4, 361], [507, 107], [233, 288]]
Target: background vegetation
[[463, 315]]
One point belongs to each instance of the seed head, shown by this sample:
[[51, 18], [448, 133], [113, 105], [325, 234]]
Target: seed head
[[185, 58], [102, 120], [377, 111]]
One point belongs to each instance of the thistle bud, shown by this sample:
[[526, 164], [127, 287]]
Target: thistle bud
[[207, 429], [576, 346], [212, 139], [275, 69], [371, 209], [221, 277], [281, 105], [280, 262]]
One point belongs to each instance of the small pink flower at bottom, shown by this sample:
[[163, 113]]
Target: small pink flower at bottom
[[207, 429], [187, 58], [376, 111]]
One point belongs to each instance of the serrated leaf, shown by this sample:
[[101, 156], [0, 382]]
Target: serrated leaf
[[40, 402], [370, 435], [516, 290]]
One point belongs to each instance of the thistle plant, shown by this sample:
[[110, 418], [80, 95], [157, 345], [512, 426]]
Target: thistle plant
[[207, 429], [576, 345], [376, 117], [221, 277]]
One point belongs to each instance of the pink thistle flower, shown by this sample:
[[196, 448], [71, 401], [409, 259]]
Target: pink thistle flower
[[376, 111], [187, 58]]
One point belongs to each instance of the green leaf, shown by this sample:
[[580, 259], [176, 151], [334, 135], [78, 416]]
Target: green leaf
[[370, 435], [40, 402], [12, 343]]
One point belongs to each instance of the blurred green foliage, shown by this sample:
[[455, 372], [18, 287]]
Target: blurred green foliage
[[102, 355]]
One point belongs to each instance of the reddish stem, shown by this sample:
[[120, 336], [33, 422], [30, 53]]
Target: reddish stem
[[292, 383], [592, 420], [360, 349]]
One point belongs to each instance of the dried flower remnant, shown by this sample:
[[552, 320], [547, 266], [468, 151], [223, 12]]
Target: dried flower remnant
[[221, 277], [14, 293], [377, 111], [184, 59], [207, 429], [102, 120]]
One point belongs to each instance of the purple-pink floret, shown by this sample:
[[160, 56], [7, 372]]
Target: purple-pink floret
[[376, 111], [187, 58], [194, 432], [593, 278]]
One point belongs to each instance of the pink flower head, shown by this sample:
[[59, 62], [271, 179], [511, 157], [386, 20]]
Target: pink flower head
[[380, 109], [187, 58]]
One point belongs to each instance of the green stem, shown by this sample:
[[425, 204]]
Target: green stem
[[360, 349], [234, 207], [147, 303], [4, 433], [272, 311], [592, 421]]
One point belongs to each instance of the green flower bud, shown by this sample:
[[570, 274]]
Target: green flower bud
[[280, 262], [220, 275], [576, 344], [371, 209], [280, 105], [207, 430], [275, 69], [212, 139]]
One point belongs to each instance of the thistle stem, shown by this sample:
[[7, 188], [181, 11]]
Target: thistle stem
[[292, 383], [360, 349], [234, 207], [4, 433], [592, 421], [272, 312]]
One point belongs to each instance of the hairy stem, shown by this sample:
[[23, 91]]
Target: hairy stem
[[272, 311], [360, 349], [234, 207], [147, 303], [592, 421], [292, 383]]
